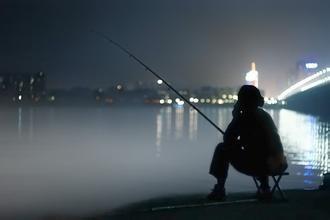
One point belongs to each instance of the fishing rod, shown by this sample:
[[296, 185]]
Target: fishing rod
[[147, 68]]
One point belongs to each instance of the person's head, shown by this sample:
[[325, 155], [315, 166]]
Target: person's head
[[249, 97]]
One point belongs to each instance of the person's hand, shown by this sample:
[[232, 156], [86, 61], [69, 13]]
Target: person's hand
[[277, 163]]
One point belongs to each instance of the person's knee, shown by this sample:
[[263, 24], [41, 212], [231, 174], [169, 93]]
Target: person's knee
[[223, 147], [220, 147]]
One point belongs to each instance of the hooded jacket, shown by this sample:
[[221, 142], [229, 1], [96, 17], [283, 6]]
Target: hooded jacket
[[253, 132]]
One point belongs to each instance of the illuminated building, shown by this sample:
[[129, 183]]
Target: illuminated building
[[304, 68], [251, 77]]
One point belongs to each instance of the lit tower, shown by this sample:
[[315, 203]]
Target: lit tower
[[251, 77]]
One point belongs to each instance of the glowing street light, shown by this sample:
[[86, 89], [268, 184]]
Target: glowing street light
[[119, 87], [159, 82]]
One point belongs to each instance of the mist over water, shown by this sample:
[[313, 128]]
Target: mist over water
[[82, 161]]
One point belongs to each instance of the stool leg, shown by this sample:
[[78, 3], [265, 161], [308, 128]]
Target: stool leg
[[256, 182], [277, 186]]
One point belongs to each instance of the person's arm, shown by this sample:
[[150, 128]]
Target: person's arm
[[276, 161], [272, 136], [232, 132]]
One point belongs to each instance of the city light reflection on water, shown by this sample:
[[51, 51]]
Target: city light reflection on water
[[179, 120], [306, 143], [305, 139], [108, 157], [193, 124]]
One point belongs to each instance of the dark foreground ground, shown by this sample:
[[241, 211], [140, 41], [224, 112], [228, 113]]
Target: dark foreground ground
[[311, 205], [301, 204]]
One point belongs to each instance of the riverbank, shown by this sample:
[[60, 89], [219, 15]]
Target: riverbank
[[301, 204]]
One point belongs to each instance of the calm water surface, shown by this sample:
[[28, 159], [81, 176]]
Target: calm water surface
[[90, 160]]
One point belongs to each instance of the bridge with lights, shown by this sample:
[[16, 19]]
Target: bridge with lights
[[309, 95]]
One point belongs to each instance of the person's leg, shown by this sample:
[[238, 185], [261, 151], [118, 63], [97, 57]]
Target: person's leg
[[264, 182], [264, 191], [220, 164], [219, 169]]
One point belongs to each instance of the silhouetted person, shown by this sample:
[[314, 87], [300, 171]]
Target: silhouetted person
[[251, 145]]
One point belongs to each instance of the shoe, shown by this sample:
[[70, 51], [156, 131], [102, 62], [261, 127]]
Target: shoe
[[217, 193], [264, 194]]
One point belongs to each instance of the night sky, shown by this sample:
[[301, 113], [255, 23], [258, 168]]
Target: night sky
[[192, 43]]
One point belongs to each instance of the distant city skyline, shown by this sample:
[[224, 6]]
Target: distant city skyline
[[191, 43]]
